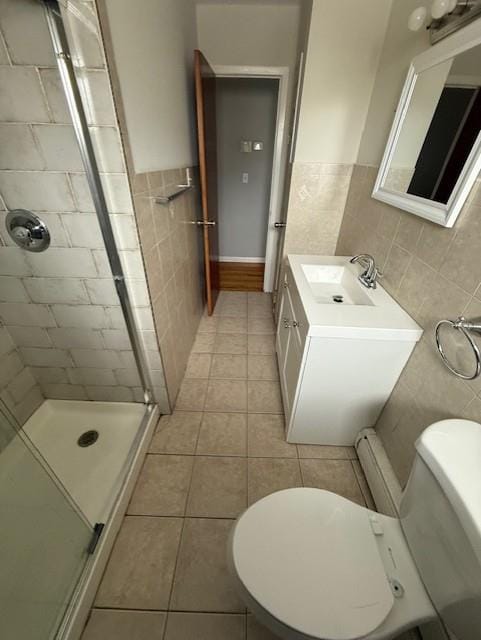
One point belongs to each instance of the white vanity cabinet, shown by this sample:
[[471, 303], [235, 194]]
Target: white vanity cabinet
[[336, 370]]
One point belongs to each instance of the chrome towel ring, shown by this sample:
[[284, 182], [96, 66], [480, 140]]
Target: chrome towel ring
[[465, 326]]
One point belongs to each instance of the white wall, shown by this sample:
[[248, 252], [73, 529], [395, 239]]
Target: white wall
[[246, 110], [249, 34], [400, 46], [153, 42], [345, 43]]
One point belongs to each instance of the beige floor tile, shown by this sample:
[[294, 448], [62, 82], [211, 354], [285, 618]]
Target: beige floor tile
[[333, 475], [177, 433], [202, 581], [219, 487], [141, 567], [266, 437], [205, 626], [365, 490], [232, 325], [162, 486], [227, 365], [204, 343], [223, 434], [234, 343], [226, 396], [208, 324], [231, 297], [258, 297], [267, 475], [263, 396], [108, 624], [325, 452], [262, 367], [260, 309], [260, 326], [233, 309], [191, 395], [198, 365], [262, 345], [257, 631]]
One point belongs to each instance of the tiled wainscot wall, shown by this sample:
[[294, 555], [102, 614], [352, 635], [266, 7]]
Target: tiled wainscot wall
[[172, 252], [60, 311], [434, 273]]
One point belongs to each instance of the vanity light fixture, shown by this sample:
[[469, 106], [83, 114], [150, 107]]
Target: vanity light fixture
[[444, 17]]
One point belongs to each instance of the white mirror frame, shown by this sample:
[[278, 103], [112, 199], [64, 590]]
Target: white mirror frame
[[443, 214]]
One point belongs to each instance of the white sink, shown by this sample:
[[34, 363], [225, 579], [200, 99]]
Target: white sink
[[336, 304], [334, 284]]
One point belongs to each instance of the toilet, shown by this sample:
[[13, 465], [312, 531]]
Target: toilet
[[311, 564]]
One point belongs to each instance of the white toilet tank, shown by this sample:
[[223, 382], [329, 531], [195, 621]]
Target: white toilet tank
[[441, 519]]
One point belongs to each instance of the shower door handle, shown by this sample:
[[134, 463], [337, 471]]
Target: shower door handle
[[206, 223], [279, 225]]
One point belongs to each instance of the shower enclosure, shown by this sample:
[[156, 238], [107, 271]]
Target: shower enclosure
[[80, 369]]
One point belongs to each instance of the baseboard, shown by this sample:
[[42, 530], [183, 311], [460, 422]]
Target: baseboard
[[237, 259]]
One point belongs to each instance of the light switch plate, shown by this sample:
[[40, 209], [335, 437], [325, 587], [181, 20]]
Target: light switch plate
[[245, 178], [258, 146], [246, 146]]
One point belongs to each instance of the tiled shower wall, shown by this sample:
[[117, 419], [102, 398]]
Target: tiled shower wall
[[60, 307], [171, 248], [317, 197], [434, 273]]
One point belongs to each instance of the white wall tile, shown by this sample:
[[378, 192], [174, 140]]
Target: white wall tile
[[6, 341], [132, 264], [96, 97], [102, 291], [26, 33], [83, 35], [21, 384], [26, 315], [52, 85], [36, 190], [19, 150], [107, 147], [116, 317], [125, 231], [56, 290], [97, 359], [28, 405], [157, 377], [91, 376], [10, 365], [138, 292], [45, 357], [45, 375], [21, 98], [12, 290], [64, 391], [143, 318], [82, 316], [116, 191], [68, 263], [153, 359], [4, 59], [110, 394], [30, 337], [73, 338], [127, 377], [13, 262], [117, 339], [149, 340], [83, 230], [58, 146], [102, 263], [127, 360]]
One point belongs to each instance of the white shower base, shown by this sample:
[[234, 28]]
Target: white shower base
[[90, 475]]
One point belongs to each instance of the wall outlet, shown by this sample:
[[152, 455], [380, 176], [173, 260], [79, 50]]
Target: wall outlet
[[245, 178]]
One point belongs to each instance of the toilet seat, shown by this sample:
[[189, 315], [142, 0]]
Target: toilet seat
[[283, 545]]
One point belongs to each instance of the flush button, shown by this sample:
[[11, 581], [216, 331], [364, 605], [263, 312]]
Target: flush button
[[376, 526]]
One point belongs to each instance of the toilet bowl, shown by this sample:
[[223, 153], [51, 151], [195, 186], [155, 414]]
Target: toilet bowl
[[312, 564]]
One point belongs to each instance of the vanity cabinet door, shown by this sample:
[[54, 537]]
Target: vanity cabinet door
[[289, 352]]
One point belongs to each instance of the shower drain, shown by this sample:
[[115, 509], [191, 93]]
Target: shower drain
[[88, 438]]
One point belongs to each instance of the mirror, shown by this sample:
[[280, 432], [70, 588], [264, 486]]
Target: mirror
[[433, 155]]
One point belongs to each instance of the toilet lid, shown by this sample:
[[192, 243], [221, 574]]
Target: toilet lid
[[309, 557]]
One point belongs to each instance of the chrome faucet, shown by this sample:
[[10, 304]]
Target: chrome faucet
[[371, 273]]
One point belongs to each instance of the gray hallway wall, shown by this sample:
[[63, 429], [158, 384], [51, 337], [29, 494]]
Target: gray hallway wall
[[246, 110]]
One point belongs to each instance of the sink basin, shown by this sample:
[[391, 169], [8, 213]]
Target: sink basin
[[334, 284], [337, 305]]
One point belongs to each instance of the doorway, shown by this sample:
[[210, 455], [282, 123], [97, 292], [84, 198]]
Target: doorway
[[250, 105]]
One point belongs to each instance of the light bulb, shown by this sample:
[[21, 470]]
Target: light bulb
[[439, 8], [417, 18]]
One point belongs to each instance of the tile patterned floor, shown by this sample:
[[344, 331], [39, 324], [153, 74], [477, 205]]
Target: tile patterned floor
[[221, 450]]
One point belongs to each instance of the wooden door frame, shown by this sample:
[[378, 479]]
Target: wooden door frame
[[280, 150]]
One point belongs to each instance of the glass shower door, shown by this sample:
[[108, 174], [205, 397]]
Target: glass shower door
[[43, 542]]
